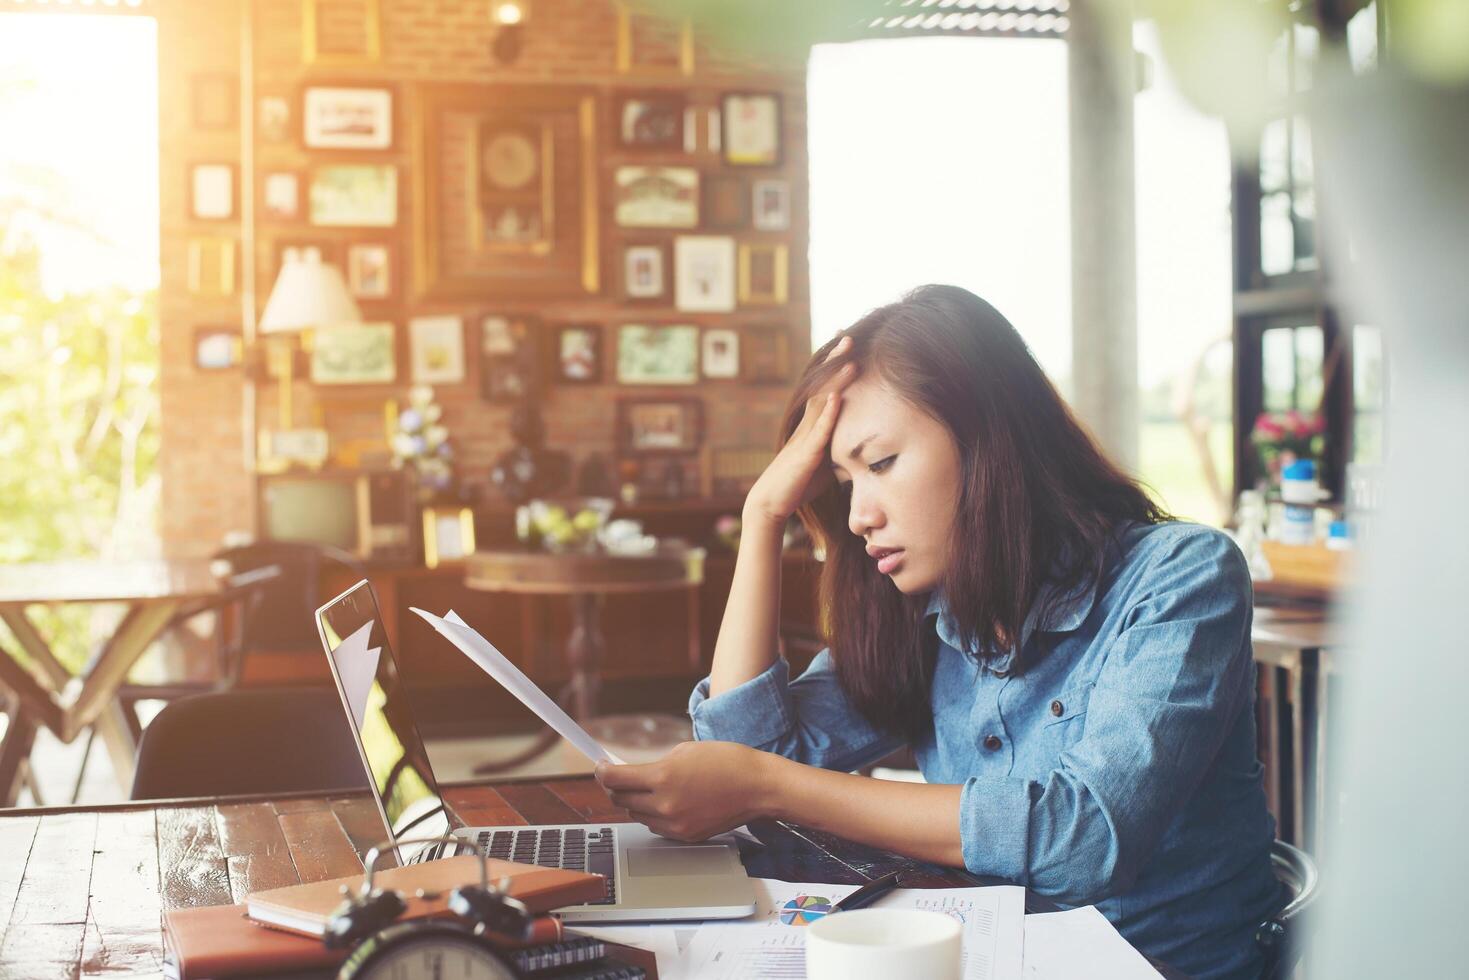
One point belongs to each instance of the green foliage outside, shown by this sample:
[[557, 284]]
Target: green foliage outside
[[78, 428]]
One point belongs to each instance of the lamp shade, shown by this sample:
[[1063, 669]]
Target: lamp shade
[[308, 293]]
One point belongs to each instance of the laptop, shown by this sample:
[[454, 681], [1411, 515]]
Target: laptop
[[648, 877]]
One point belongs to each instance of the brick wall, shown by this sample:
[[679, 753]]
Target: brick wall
[[208, 488]]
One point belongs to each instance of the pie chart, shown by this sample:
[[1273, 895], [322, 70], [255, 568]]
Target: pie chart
[[804, 910]]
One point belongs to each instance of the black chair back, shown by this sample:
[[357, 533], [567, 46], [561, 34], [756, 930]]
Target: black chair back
[[250, 741], [1281, 934]]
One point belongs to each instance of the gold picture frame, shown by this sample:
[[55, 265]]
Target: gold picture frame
[[211, 263], [627, 62], [448, 534], [311, 52], [764, 274]]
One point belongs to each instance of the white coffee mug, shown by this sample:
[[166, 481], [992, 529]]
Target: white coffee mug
[[884, 944]]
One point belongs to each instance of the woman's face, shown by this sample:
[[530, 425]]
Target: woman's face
[[900, 469]]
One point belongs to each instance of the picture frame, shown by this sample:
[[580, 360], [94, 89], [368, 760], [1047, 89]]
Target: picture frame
[[506, 342], [727, 203], [211, 267], [631, 56], [347, 118], [764, 273], [354, 354], [515, 189], [215, 98], [751, 136], [370, 270], [658, 355], [765, 354], [770, 205], [704, 273], [218, 348], [720, 354], [354, 195], [644, 272], [659, 426], [320, 34], [577, 354], [650, 121], [273, 118], [448, 534], [280, 195], [436, 350], [656, 197], [212, 191]]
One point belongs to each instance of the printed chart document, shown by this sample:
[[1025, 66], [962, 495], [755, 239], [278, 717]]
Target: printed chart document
[[510, 677], [772, 943], [1080, 943]]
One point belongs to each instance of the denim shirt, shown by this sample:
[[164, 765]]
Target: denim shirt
[[1119, 770]]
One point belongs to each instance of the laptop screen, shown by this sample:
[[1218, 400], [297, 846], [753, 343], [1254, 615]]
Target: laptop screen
[[372, 692]]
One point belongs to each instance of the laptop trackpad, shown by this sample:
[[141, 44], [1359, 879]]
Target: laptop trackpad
[[705, 859]]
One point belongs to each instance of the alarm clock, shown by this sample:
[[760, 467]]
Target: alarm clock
[[426, 949]]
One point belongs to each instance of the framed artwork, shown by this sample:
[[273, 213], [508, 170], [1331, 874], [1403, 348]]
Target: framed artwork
[[370, 270], [353, 354], [726, 203], [638, 50], [217, 348], [643, 272], [653, 121], [280, 195], [656, 197], [578, 354], [771, 205], [273, 118], [704, 273], [763, 273], [215, 101], [347, 118], [664, 425], [505, 357], [211, 266], [436, 350], [766, 354], [751, 129], [662, 355], [721, 354], [341, 32], [512, 199], [355, 195], [212, 187], [448, 534]]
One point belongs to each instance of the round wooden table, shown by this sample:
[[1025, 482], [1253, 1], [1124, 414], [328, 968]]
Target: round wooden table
[[587, 578]]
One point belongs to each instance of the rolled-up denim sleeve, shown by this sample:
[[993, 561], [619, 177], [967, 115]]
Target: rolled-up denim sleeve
[[1170, 689], [808, 719]]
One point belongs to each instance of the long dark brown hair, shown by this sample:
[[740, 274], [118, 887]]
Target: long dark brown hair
[[1038, 501]]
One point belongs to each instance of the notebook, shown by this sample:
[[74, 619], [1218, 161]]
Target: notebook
[[305, 909]]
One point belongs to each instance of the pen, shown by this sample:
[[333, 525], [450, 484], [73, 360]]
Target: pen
[[868, 893]]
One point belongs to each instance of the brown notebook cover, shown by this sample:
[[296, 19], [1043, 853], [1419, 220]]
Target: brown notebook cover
[[306, 908], [221, 941]]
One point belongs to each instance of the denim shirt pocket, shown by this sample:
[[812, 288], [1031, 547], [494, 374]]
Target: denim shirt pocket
[[1065, 716]]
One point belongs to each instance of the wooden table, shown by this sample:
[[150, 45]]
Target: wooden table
[[156, 594], [588, 577], [82, 889]]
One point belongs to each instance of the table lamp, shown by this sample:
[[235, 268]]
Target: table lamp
[[307, 294]]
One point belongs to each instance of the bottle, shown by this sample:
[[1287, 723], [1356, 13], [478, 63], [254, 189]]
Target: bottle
[[1300, 492]]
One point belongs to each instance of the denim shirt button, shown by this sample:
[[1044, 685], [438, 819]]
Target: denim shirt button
[[1057, 708], [992, 742]]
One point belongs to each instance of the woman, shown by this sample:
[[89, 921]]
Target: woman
[[1071, 668]]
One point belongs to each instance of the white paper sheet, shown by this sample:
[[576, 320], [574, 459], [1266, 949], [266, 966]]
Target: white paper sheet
[[493, 662], [770, 944], [1080, 943], [665, 942]]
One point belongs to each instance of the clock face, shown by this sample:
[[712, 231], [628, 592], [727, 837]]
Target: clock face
[[434, 957], [510, 160]]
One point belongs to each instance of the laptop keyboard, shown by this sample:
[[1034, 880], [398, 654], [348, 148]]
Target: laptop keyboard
[[572, 848]]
